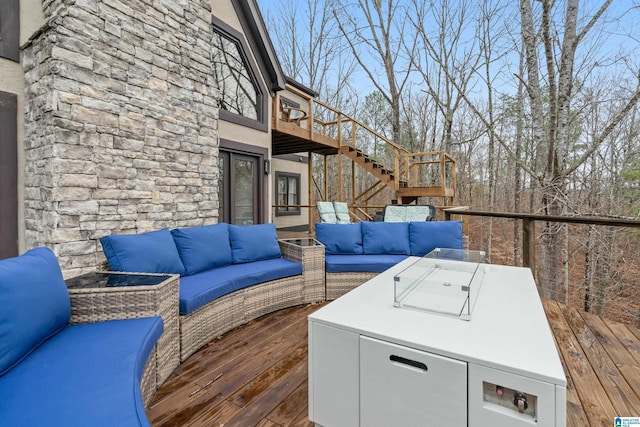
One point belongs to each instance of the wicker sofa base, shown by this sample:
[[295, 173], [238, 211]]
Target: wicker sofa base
[[338, 284], [149, 383], [225, 313]]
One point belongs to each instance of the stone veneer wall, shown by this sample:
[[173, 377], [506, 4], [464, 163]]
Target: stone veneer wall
[[121, 124]]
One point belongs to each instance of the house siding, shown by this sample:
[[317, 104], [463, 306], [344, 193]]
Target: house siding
[[121, 124]]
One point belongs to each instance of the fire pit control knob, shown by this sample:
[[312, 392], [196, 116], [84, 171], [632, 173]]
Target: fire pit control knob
[[520, 400]]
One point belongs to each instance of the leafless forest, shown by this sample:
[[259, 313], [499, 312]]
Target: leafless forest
[[536, 100]]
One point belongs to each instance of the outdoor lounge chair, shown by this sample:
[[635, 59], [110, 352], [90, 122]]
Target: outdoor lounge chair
[[342, 212], [334, 213], [408, 213], [327, 212]]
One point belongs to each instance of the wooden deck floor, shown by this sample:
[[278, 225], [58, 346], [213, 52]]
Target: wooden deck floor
[[257, 373]]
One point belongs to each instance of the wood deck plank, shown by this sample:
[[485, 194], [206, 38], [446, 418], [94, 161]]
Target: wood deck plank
[[223, 373], [575, 414], [264, 367], [197, 370], [290, 408], [217, 416], [622, 367], [627, 337], [592, 396], [261, 406], [614, 385]]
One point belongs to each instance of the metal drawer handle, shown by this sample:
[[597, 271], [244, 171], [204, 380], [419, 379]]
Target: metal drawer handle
[[409, 362]]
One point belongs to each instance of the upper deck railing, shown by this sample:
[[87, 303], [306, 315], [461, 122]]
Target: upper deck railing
[[318, 122]]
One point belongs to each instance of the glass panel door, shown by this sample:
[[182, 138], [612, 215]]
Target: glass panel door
[[239, 188], [244, 184]]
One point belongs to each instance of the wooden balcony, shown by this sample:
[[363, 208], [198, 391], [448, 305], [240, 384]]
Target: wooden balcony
[[257, 374]]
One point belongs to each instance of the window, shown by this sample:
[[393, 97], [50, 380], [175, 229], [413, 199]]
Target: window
[[242, 95], [10, 30], [238, 93], [288, 193], [8, 175]]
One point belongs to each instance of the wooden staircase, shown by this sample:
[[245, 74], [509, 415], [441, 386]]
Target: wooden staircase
[[315, 127]]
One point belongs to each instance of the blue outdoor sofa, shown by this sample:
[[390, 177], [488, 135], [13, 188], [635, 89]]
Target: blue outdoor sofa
[[354, 253], [53, 374], [229, 274]]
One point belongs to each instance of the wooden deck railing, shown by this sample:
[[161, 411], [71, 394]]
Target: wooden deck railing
[[325, 123], [606, 283], [528, 225]]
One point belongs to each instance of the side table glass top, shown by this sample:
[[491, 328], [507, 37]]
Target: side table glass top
[[304, 241], [108, 280]]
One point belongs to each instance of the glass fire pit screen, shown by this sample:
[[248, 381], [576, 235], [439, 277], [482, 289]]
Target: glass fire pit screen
[[445, 281]]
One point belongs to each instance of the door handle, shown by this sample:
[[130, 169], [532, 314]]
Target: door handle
[[404, 361]]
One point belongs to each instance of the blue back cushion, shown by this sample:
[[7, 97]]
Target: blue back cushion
[[152, 252], [426, 236], [385, 238], [35, 304], [253, 242], [203, 248], [340, 239]]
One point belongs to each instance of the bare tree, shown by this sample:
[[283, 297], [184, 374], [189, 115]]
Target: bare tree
[[551, 127], [312, 50], [375, 31], [444, 52]]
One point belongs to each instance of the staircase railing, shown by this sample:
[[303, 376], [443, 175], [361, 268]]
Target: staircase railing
[[323, 123]]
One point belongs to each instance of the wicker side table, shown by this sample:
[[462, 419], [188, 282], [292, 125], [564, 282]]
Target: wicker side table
[[310, 253], [102, 296]]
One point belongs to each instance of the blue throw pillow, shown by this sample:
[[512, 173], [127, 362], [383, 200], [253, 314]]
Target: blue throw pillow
[[152, 252], [340, 239], [426, 236], [253, 242], [203, 248], [385, 238], [35, 304]]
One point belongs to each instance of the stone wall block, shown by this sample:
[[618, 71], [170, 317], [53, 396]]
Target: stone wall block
[[121, 123], [78, 207]]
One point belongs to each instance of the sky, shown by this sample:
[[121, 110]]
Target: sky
[[620, 36]]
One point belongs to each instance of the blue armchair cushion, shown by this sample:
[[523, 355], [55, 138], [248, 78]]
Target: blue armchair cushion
[[426, 236], [35, 305], [340, 239], [361, 263], [254, 242], [203, 248], [152, 252], [86, 375], [385, 238], [202, 288]]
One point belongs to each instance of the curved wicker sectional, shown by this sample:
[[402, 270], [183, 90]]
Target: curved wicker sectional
[[237, 308], [338, 284]]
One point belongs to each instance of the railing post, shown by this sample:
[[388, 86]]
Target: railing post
[[311, 119], [528, 243], [396, 168]]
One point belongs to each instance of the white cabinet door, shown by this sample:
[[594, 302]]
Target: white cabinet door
[[400, 386], [333, 376]]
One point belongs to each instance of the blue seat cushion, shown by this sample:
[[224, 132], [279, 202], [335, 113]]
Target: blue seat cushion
[[254, 242], [85, 375], [151, 252], [35, 304], [385, 238], [202, 288], [426, 236], [203, 248], [340, 239], [361, 263]]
